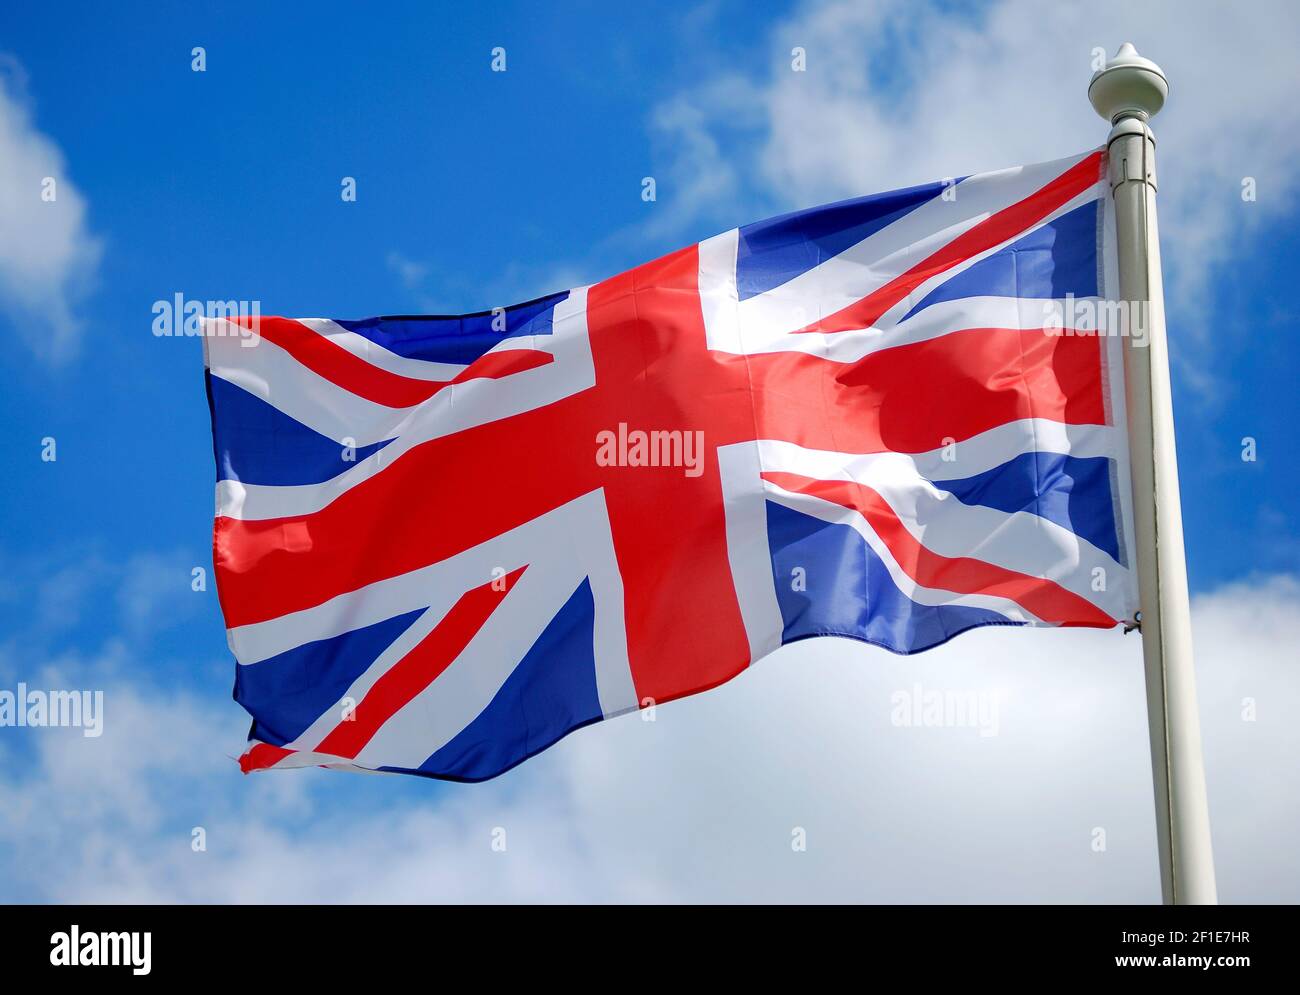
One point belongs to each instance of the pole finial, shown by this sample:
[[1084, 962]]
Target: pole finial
[[1129, 86]]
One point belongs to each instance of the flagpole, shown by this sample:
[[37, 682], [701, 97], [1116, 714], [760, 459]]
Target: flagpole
[[1128, 92]]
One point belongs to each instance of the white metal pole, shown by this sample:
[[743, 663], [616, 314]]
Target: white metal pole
[[1128, 92]]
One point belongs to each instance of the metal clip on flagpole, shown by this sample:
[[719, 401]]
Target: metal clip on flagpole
[[1128, 93]]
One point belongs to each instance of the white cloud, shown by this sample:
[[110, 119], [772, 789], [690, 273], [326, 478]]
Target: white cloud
[[47, 253], [684, 133], [411, 272], [512, 283], [59, 589], [700, 804], [154, 591]]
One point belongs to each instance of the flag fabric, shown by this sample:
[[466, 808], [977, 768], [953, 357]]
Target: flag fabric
[[443, 543]]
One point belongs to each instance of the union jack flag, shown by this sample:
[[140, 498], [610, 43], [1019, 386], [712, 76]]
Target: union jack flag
[[444, 543]]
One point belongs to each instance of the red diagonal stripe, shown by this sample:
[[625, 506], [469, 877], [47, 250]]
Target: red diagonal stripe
[[419, 668], [992, 231], [502, 363], [331, 361], [404, 680], [262, 756], [960, 574]]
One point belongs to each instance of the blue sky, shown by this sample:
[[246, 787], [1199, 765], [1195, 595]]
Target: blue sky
[[477, 189]]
